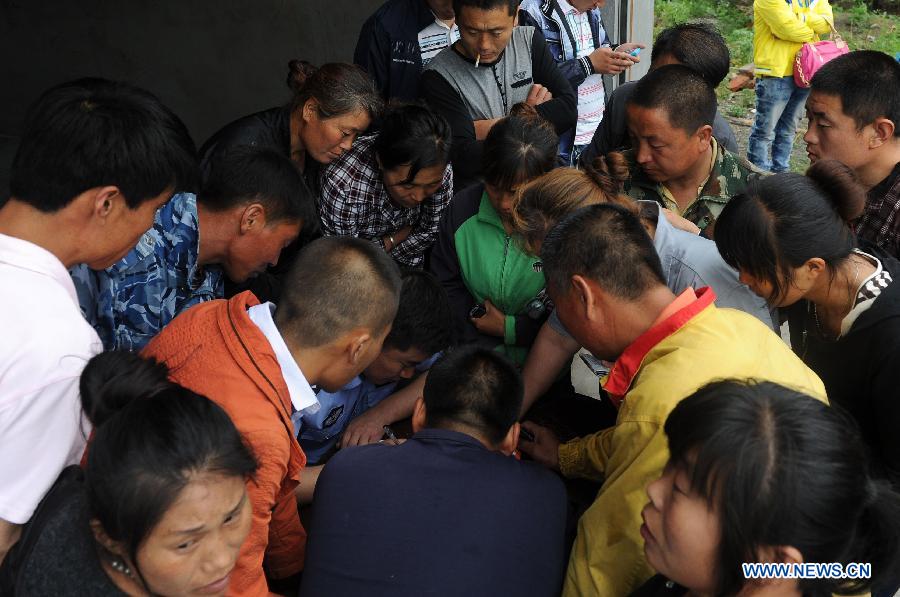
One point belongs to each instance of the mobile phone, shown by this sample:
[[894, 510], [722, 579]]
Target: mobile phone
[[635, 52], [526, 435], [594, 364], [477, 311]]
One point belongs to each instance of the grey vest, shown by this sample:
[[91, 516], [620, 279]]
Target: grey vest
[[480, 87]]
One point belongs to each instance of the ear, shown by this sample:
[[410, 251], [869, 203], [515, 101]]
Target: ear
[[105, 200], [103, 539], [587, 296], [884, 132], [310, 109], [814, 267], [253, 218], [358, 342], [419, 416], [509, 443], [778, 554], [704, 136]]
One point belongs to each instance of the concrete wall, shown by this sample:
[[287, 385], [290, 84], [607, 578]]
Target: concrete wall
[[210, 61]]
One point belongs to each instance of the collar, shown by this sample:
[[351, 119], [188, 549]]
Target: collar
[[23, 254], [629, 363], [662, 238], [670, 199], [487, 213], [568, 9], [303, 398], [881, 189], [448, 436]]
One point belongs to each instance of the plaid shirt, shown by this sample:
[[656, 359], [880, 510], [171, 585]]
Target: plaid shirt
[[880, 222], [355, 202]]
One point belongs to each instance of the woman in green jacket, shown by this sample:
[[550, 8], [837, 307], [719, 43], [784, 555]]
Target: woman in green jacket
[[496, 290]]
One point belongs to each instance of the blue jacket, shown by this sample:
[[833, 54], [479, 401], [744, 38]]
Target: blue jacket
[[388, 47]]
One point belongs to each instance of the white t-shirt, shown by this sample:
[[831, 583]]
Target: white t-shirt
[[591, 96], [44, 344], [434, 38]]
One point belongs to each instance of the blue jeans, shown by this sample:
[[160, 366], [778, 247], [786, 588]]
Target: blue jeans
[[779, 104]]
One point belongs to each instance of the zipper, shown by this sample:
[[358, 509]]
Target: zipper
[[503, 265]]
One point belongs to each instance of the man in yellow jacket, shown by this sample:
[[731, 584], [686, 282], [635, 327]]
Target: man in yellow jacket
[[607, 283], [780, 28]]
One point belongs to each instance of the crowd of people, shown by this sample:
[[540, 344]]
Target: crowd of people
[[327, 353]]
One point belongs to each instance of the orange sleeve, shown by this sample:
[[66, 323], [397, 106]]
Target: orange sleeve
[[272, 451]]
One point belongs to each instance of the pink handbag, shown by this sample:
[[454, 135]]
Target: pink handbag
[[812, 55]]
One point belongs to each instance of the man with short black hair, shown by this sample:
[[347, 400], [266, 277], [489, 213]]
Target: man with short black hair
[[492, 67], [675, 160], [252, 205], [364, 406], [606, 281], [96, 160], [260, 365], [699, 46], [854, 117], [448, 512]]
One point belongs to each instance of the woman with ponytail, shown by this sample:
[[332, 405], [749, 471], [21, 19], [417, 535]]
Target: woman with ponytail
[[329, 107], [688, 260], [496, 292], [161, 508], [759, 473], [791, 239]]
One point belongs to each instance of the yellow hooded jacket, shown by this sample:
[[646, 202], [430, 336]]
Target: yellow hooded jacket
[[781, 27]]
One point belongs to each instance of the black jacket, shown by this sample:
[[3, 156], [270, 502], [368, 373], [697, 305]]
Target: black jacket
[[388, 47], [861, 371]]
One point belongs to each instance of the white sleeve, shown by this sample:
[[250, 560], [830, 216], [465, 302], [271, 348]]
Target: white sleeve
[[40, 434]]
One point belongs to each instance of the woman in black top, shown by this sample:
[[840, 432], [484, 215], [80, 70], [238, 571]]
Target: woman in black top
[[759, 473], [788, 236], [161, 508], [331, 106]]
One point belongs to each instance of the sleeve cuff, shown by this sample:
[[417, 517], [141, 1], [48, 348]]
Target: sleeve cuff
[[509, 330], [586, 66], [571, 457]]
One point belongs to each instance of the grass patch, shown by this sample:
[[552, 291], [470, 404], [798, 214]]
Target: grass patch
[[861, 27]]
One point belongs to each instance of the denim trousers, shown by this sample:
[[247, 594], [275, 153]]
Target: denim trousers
[[779, 105]]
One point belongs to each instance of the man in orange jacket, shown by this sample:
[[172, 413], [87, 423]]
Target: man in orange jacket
[[260, 364]]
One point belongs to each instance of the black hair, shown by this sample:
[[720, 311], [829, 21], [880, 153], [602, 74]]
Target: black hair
[[413, 135], [423, 317], [606, 243], [687, 99], [863, 80], [335, 285], [151, 437], [475, 387], [512, 6], [780, 222], [519, 148], [93, 132], [244, 174], [338, 88], [782, 469], [697, 45]]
